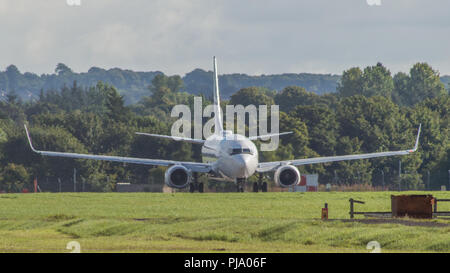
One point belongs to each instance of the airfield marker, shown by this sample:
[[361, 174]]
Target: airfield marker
[[325, 212]]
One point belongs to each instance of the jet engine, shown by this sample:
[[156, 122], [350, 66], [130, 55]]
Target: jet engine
[[286, 176], [178, 177]]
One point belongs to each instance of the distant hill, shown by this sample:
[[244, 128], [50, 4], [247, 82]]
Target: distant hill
[[200, 81], [446, 81], [133, 85], [28, 85]]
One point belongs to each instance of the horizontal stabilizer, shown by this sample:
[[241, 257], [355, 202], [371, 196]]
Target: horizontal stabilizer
[[185, 139], [264, 137]]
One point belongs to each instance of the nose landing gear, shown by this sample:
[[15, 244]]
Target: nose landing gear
[[257, 186], [240, 184]]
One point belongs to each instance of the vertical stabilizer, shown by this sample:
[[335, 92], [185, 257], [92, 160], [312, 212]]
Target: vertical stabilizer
[[218, 122]]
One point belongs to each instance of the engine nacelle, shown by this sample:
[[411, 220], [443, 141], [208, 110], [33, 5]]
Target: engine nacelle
[[287, 176], [178, 177]]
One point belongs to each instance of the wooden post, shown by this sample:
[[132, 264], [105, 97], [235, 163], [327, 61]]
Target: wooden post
[[74, 180], [351, 208], [435, 205]]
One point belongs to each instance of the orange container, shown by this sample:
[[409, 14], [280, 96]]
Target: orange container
[[414, 206]]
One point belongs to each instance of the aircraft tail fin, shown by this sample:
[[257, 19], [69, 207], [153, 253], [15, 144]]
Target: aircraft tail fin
[[218, 122]]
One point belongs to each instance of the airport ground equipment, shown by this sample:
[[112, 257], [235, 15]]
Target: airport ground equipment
[[414, 206]]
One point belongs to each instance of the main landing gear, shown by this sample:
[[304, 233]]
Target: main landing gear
[[257, 186], [195, 185], [260, 185]]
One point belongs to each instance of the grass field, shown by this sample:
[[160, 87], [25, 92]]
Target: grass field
[[215, 222]]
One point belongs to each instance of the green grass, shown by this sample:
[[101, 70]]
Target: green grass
[[215, 222]]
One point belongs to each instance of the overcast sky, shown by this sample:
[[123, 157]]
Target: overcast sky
[[247, 36]]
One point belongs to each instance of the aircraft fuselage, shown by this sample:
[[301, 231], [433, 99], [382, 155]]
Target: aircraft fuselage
[[233, 156]]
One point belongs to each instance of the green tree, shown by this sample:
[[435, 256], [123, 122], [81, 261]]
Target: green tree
[[116, 105], [252, 96], [401, 89], [377, 81], [292, 96], [322, 127], [351, 82], [373, 81], [13, 178], [355, 171], [433, 142], [62, 69], [422, 83], [161, 84]]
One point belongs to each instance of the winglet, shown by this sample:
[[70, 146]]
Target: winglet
[[29, 138], [417, 139]]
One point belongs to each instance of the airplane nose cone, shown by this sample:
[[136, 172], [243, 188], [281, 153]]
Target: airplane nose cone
[[245, 165]]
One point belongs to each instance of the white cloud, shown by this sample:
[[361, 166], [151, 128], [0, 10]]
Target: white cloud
[[38, 45], [254, 37]]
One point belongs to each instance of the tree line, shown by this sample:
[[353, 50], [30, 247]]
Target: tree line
[[133, 85], [371, 111]]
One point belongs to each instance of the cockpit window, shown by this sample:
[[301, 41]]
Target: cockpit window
[[237, 151]]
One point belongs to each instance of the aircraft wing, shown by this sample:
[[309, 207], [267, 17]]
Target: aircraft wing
[[193, 166], [271, 166]]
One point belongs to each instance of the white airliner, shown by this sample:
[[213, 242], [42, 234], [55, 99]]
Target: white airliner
[[226, 156]]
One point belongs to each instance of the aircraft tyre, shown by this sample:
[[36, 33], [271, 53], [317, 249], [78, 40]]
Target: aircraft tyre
[[255, 187], [264, 187]]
